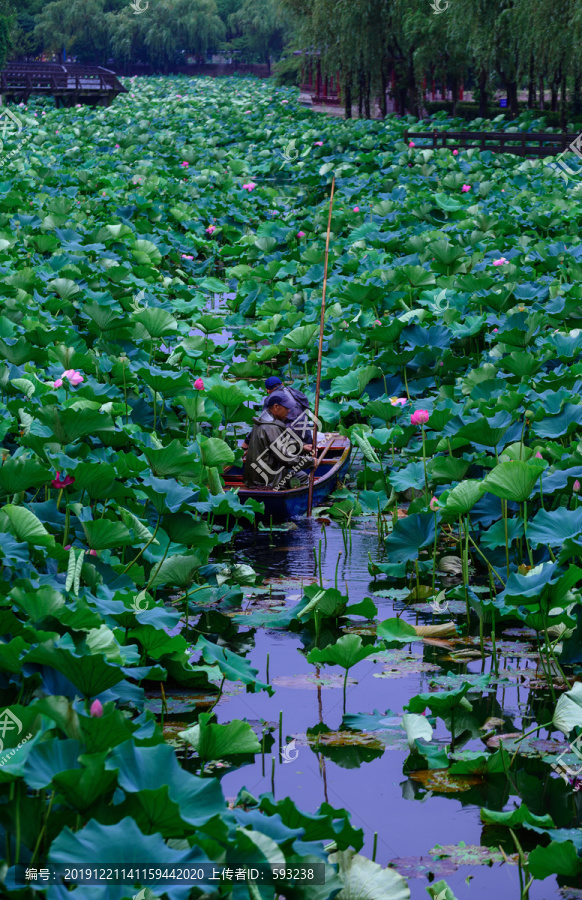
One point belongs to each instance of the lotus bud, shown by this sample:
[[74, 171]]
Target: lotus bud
[[96, 709]]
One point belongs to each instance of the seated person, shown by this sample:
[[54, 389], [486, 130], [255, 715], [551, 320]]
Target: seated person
[[297, 403], [274, 450]]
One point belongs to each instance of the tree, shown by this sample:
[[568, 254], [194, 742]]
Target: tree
[[77, 26], [259, 26]]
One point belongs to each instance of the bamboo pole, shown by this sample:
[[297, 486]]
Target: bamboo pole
[[319, 352]]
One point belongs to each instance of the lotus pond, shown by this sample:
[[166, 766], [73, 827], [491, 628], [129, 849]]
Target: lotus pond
[[390, 689]]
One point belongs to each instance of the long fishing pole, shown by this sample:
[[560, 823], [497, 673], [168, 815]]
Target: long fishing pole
[[319, 352]]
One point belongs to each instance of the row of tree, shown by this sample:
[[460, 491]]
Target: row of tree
[[161, 33], [375, 45], [376, 48]]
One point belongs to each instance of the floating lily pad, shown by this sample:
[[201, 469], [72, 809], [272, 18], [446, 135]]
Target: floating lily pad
[[423, 866], [402, 664], [347, 739], [472, 855]]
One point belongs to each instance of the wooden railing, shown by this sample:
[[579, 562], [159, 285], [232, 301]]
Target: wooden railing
[[521, 143], [73, 83]]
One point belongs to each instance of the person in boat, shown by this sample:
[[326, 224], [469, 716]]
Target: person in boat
[[275, 451], [297, 403]]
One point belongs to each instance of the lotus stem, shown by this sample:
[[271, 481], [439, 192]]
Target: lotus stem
[[337, 567], [424, 463], [280, 734]]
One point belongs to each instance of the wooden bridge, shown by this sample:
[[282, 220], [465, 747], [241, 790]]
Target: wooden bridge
[[69, 84], [534, 145]]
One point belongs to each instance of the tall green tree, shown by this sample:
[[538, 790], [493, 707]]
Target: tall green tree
[[259, 27]]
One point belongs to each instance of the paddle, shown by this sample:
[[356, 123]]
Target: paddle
[[319, 352]]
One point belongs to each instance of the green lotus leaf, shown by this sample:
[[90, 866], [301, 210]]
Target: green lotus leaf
[[215, 453], [211, 741], [22, 474], [25, 526], [102, 534], [366, 880], [512, 480], [409, 536]]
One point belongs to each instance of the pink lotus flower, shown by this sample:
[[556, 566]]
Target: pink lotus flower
[[300, 234], [72, 377], [434, 504], [198, 385], [211, 229], [420, 417], [91, 552], [465, 188], [96, 709], [67, 547], [538, 455], [455, 152], [318, 144], [500, 262], [60, 483], [284, 101], [356, 208], [250, 186], [377, 322], [185, 164], [398, 401], [495, 330], [185, 256], [116, 146], [412, 144], [576, 486]]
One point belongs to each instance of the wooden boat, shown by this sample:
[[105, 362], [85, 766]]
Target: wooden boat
[[288, 504]]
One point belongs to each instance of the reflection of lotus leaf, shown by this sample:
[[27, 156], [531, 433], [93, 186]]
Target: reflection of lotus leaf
[[442, 782], [306, 682]]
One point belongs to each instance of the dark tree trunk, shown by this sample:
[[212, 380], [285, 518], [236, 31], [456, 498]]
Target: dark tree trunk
[[412, 91], [512, 97], [542, 92], [360, 94], [348, 97], [576, 99], [554, 102], [531, 88], [483, 98], [455, 92], [384, 87], [367, 91], [563, 104]]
